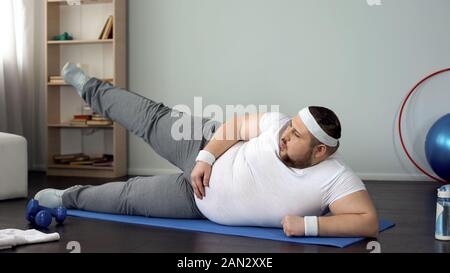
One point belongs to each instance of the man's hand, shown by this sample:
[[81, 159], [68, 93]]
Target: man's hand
[[293, 226], [200, 178]]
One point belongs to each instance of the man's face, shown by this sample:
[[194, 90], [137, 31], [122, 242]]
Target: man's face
[[295, 145]]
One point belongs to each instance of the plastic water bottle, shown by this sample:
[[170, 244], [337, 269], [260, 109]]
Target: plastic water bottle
[[443, 214]]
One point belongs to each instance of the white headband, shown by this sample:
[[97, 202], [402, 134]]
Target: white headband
[[314, 128]]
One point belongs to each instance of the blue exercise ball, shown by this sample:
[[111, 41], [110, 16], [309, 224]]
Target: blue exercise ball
[[437, 147]]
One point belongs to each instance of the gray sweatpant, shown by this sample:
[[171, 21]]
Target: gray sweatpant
[[167, 196]]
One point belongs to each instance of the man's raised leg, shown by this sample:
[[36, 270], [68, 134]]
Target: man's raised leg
[[154, 122]]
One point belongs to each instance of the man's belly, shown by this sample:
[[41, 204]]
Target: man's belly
[[233, 197]]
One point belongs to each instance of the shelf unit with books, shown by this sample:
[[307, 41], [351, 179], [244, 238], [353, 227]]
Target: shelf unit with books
[[101, 51]]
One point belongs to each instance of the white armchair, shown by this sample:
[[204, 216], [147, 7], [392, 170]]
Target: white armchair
[[13, 167]]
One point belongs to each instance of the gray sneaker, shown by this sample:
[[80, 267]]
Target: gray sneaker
[[51, 198]]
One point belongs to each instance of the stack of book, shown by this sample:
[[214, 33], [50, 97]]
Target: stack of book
[[99, 120], [80, 120], [56, 80], [81, 159], [71, 159], [90, 120]]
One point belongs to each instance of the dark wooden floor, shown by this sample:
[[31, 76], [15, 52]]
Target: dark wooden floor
[[411, 205]]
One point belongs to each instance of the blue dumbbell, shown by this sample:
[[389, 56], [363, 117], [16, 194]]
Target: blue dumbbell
[[43, 216]]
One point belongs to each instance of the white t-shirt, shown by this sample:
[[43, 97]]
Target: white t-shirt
[[251, 186]]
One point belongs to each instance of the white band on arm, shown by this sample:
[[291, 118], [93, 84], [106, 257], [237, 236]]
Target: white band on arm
[[206, 157], [311, 226]]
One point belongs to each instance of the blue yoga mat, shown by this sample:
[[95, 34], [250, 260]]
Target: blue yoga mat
[[208, 226]]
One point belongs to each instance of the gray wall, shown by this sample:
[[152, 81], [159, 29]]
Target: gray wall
[[356, 59]]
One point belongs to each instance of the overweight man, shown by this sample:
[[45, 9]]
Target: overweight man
[[265, 169]]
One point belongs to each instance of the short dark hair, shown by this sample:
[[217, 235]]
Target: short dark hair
[[329, 122]]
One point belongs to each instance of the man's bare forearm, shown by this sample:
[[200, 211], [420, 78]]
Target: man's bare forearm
[[349, 225]]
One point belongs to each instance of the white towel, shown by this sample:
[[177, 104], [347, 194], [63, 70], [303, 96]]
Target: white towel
[[13, 237]]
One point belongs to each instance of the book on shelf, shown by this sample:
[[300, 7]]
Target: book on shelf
[[97, 117], [68, 158], [100, 118], [93, 120], [77, 123], [81, 159], [99, 122], [60, 80], [107, 31], [56, 80], [82, 117], [81, 163], [103, 164], [78, 120], [100, 37]]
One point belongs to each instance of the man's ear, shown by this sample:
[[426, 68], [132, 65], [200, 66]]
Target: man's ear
[[321, 151]]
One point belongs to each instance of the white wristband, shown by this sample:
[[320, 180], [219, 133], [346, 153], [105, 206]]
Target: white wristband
[[206, 157], [311, 226]]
